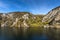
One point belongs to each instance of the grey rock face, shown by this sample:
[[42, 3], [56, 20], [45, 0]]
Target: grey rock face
[[11, 19], [53, 17]]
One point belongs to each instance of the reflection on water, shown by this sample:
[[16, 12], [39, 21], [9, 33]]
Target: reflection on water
[[32, 33]]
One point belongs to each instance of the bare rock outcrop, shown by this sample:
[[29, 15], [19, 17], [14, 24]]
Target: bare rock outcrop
[[53, 17]]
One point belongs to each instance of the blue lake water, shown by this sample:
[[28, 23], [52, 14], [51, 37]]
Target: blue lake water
[[48, 34], [34, 37], [37, 37]]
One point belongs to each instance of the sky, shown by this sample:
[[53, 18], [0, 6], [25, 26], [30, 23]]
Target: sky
[[33, 6]]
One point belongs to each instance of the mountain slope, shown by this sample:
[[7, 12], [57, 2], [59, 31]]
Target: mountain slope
[[21, 19], [53, 17]]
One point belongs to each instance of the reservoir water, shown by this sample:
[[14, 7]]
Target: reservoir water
[[30, 34]]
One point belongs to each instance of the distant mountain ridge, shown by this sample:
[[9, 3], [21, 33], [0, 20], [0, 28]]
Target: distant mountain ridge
[[26, 19]]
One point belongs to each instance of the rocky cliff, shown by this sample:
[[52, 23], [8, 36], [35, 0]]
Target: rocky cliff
[[20, 19], [53, 17]]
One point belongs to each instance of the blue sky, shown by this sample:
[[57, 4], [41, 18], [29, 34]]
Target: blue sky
[[33, 6]]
